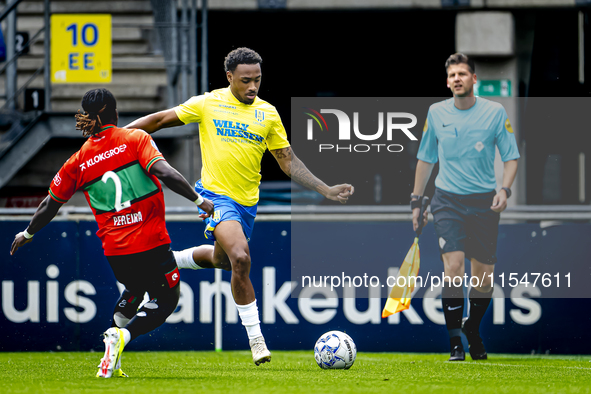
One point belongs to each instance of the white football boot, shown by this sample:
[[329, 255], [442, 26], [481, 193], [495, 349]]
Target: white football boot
[[260, 353], [117, 372], [111, 362]]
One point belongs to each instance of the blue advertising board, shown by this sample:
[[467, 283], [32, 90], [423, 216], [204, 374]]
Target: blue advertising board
[[58, 293]]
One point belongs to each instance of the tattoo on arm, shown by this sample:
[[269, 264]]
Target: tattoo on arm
[[297, 170], [284, 153]]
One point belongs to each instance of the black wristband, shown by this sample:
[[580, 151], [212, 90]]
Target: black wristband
[[415, 204], [507, 190]]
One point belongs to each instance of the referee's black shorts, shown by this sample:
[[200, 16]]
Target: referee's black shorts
[[153, 270], [466, 223]]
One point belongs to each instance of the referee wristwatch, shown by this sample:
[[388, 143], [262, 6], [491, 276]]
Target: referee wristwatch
[[507, 190]]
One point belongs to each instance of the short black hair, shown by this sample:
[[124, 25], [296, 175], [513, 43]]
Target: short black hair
[[241, 56], [100, 107], [459, 58]]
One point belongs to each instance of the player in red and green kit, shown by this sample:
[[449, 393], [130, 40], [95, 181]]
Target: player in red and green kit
[[118, 171]]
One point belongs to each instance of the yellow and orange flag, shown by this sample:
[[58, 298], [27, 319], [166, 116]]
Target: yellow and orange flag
[[399, 299], [400, 296]]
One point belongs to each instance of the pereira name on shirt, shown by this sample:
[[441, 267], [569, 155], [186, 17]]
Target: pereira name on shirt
[[129, 218]]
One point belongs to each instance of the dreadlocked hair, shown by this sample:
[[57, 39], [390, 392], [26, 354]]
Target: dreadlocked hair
[[99, 108], [89, 123]]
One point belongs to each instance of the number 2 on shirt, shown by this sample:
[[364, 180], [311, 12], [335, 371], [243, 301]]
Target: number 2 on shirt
[[118, 190]]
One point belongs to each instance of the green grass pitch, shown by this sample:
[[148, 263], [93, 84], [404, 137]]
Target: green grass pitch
[[293, 372]]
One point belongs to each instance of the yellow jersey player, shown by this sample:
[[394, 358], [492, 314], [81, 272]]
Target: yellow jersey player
[[235, 129]]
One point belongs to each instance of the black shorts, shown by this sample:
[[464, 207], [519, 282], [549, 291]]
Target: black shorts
[[154, 269], [466, 223]]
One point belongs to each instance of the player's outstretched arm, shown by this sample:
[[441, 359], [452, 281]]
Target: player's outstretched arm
[[178, 184], [46, 211], [156, 121], [296, 170]]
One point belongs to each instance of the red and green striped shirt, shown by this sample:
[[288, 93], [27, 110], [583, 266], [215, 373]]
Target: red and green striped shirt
[[113, 170]]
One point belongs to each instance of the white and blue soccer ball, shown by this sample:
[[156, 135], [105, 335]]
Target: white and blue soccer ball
[[335, 350]]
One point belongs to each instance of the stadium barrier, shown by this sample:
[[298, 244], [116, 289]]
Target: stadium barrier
[[58, 292]]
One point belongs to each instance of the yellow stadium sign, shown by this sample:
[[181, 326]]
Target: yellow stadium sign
[[81, 48]]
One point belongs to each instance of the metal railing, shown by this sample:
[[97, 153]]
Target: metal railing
[[179, 44], [10, 68], [8, 9]]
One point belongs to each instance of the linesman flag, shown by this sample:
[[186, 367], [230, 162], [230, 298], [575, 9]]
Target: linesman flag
[[399, 299]]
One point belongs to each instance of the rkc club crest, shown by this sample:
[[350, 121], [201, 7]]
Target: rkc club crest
[[259, 115]]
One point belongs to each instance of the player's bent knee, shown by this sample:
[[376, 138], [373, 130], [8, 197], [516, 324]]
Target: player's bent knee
[[454, 268], [241, 264], [453, 262]]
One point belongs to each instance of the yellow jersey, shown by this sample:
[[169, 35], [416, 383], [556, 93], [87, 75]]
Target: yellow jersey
[[233, 138]]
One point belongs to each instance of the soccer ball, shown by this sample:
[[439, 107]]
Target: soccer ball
[[335, 350]]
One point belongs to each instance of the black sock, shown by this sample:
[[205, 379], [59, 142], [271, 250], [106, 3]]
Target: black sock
[[479, 303], [455, 341], [127, 305], [453, 308], [154, 313]]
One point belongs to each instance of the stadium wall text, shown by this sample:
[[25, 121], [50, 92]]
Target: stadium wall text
[[58, 293]]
